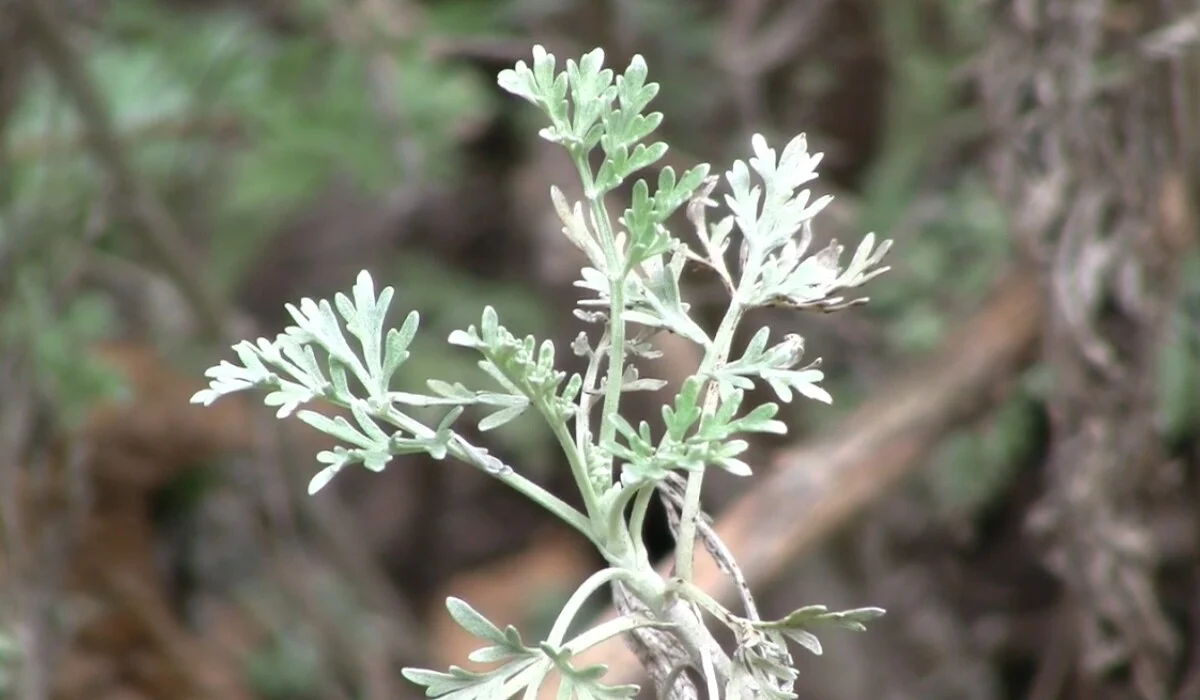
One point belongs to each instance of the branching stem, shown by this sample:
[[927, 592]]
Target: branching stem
[[614, 261], [716, 356], [571, 608]]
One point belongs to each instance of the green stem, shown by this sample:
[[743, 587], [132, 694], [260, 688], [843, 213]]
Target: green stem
[[555, 505], [697, 595], [686, 544], [578, 465], [637, 520], [605, 631], [563, 622], [616, 360], [617, 499], [466, 452], [716, 356], [696, 637], [616, 295], [583, 420]]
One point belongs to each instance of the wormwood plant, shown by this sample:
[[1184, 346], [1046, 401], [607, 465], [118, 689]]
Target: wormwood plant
[[341, 353]]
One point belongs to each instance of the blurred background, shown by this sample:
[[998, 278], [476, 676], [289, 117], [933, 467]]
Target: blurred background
[[1011, 466]]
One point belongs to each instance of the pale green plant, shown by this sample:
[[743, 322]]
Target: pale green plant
[[341, 353]]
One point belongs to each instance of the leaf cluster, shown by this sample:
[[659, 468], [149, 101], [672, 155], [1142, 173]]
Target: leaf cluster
[[518, 668]]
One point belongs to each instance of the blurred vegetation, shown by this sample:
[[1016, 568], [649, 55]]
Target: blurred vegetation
[[218, 109]]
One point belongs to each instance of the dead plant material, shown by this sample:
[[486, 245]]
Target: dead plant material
[[125, 637], [138, 448], [1094, 150]]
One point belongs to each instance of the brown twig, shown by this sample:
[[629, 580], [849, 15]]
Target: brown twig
[[1111, 149], [207, 672], [659, 653], [672, 495], [20, 594]]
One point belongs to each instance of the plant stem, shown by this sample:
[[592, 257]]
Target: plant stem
[[583, 420], [685, 545], [697, 595], [578, 465], [604, 631], [716, 356], [467, 452], [557, 507], [696, 637], [563, 622], [616, 360], [637, 520], [616, 297]]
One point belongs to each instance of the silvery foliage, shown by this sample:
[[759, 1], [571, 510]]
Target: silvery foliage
[[341, 353]]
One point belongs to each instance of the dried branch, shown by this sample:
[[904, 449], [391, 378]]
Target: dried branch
[[659, 653], [1106, 157]]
